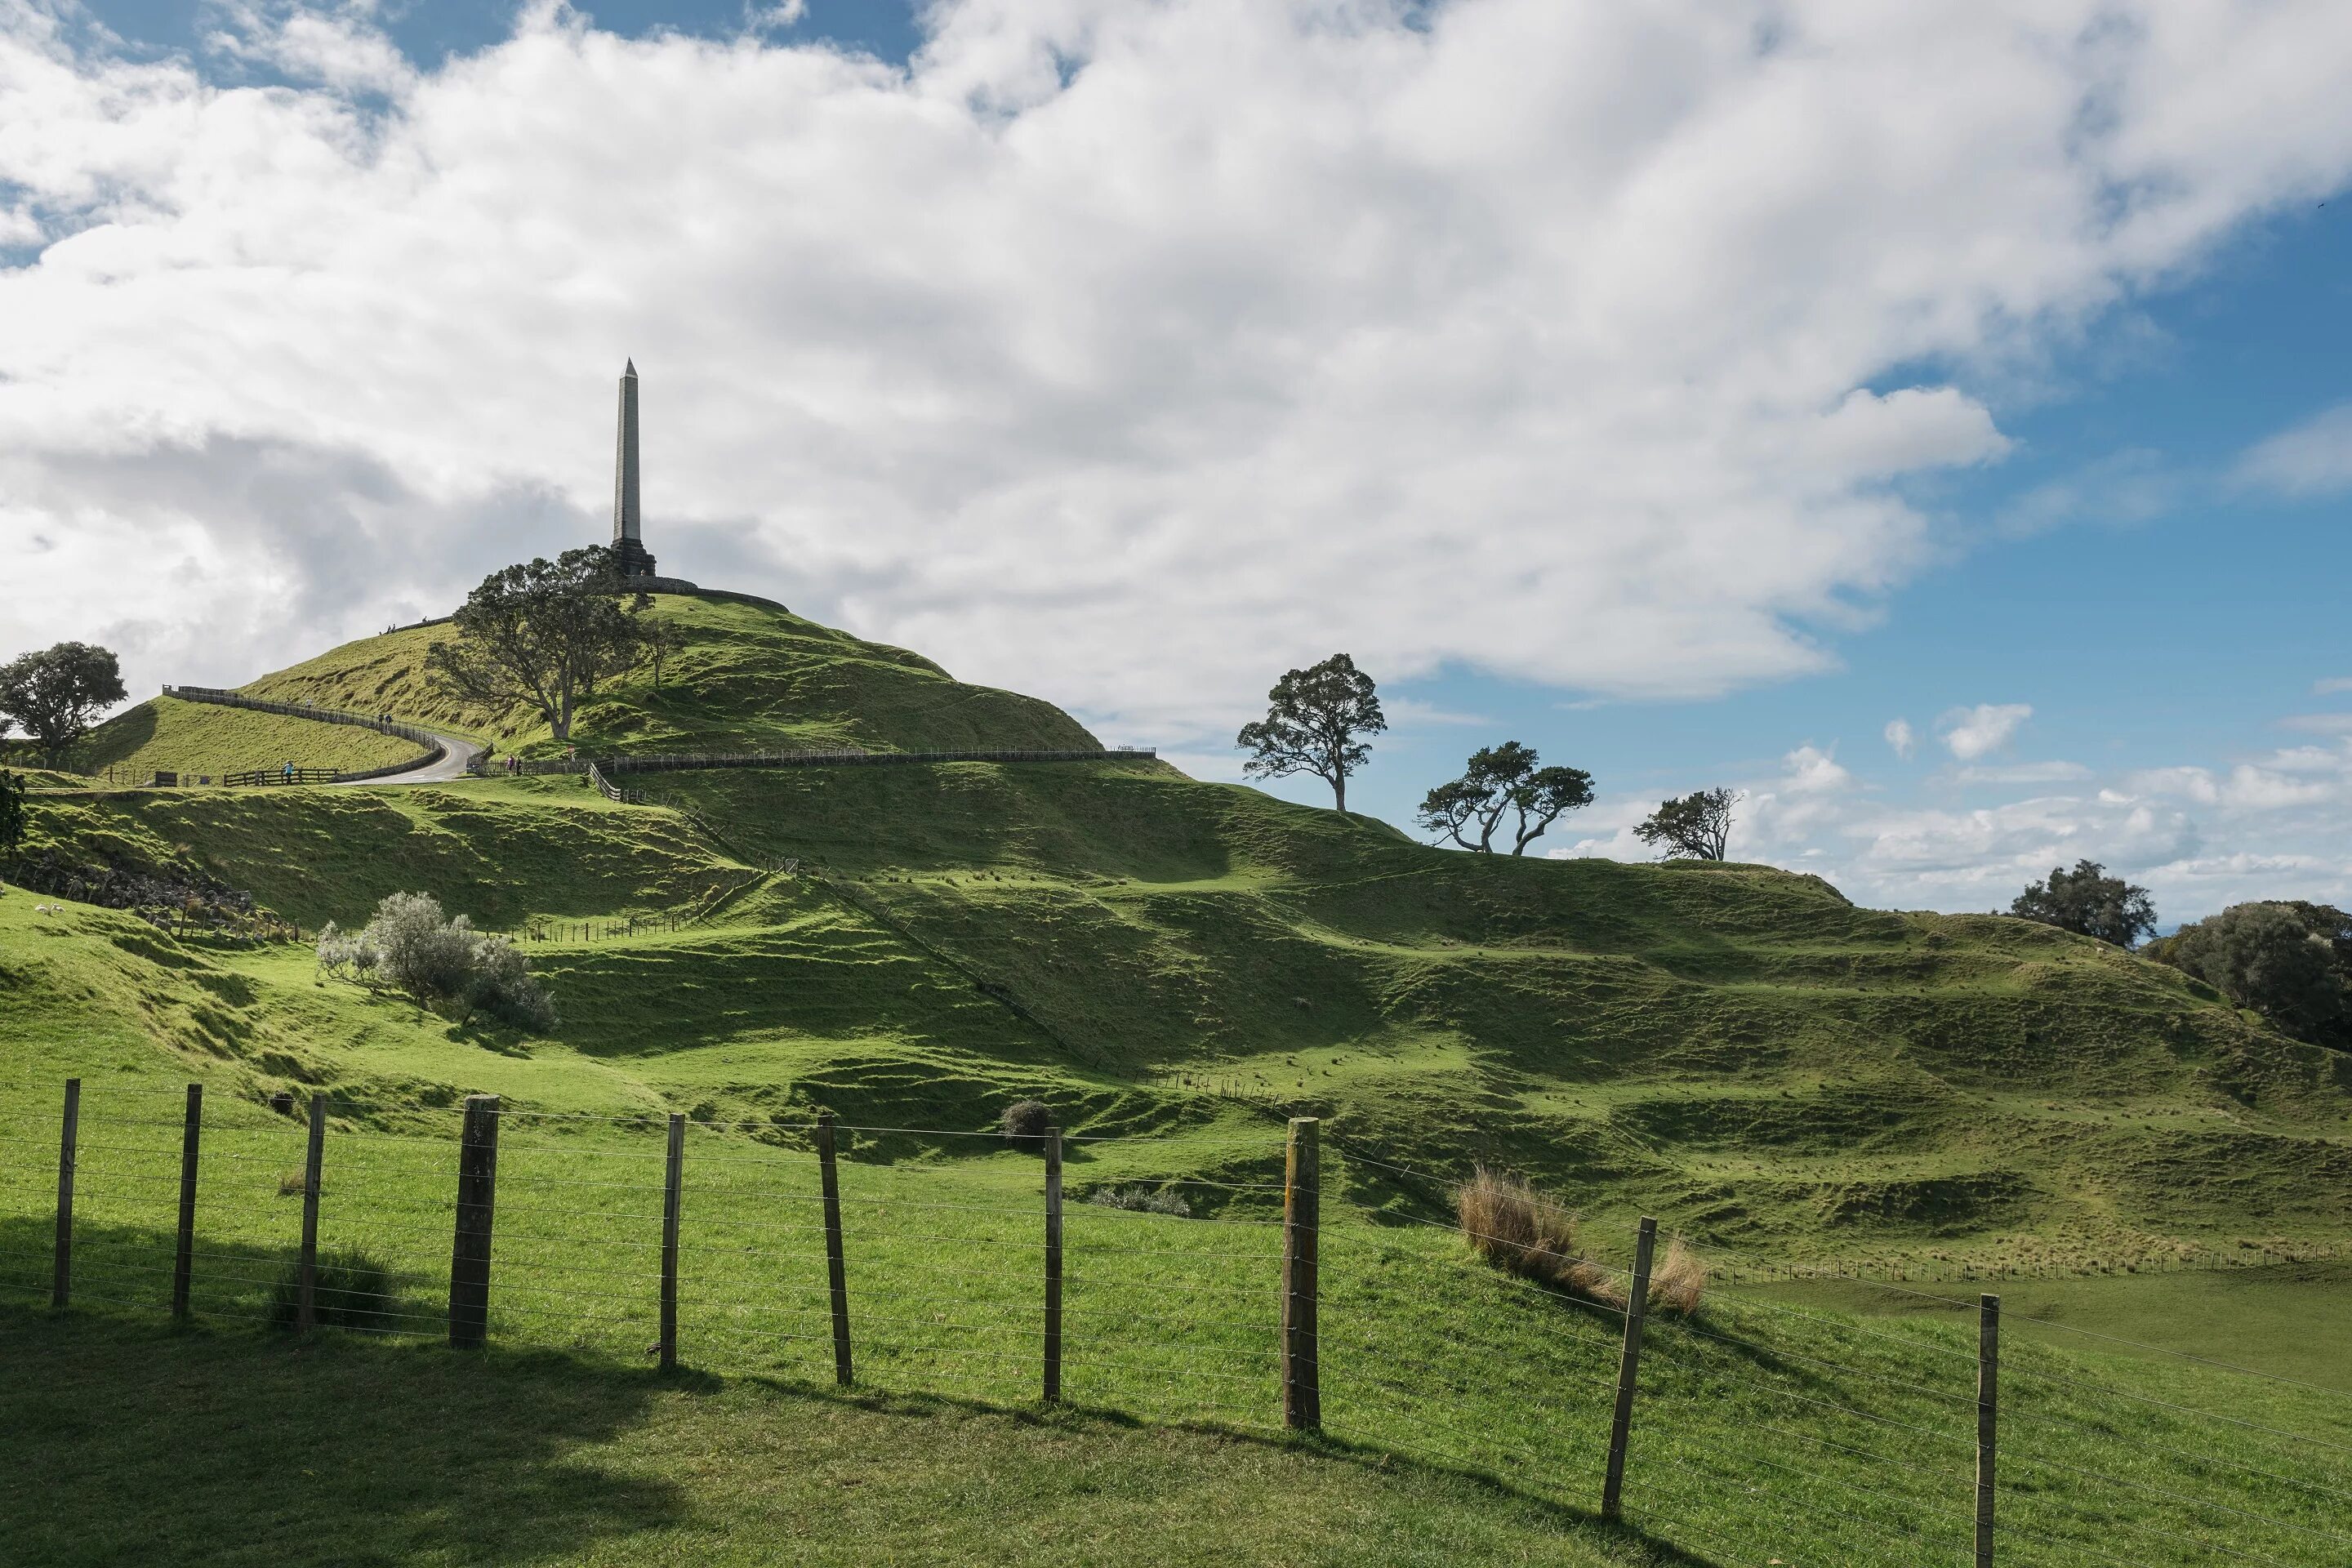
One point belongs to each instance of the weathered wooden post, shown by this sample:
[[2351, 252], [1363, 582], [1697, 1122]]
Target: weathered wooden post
[[673, 1186], [1052, 1264], [470, 1253], [836, 1268], [183, 1256], [68, 1136], [305, 1299], [1302, 1383], [1629, 1368], [1988, 1422]]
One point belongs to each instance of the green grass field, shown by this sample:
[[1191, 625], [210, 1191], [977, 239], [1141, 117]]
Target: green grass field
[[1175, 967], [196, 738]]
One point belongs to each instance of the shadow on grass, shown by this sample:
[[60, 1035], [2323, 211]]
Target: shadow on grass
[[130, 1442], [1070, 1416]]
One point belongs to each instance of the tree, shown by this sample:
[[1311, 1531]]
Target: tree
[[2289, 961], [543, 634], [1500, 779], [1696, 827], [12, 813], [1312, 725], [2088, 900], [659, 636], [57, 694]]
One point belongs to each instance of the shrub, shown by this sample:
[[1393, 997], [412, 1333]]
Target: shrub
[[2290, 961], [349, 1290], [439, 962], [1143, 1200], [1026, 1121], [1513, 1227], [1679, 1280]]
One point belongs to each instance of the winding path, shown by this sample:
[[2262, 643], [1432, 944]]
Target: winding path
[[456, 757]]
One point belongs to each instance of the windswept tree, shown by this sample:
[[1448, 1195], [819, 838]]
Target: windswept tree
[[1695, 826], [1499, 780], [58, 693], [543, 634], [2088, 900], [1314, 725]]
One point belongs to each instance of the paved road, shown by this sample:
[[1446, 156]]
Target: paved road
[[454, 756]]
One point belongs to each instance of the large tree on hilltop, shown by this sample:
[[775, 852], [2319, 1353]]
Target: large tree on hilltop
[[544, 634], [58, 693], [1500, 779], [2088, 900], [1695, 826], [1313, 725]]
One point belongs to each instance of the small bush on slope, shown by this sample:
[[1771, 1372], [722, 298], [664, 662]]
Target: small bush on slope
[[442, 963]]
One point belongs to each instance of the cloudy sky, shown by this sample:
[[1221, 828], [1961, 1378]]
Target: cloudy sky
[[1932, 418]]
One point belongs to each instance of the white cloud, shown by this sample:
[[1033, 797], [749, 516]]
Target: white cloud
[[1091, 351], [2025, 773], [2331, 685], [2312, 458], [1972, 732], [1900, 738]]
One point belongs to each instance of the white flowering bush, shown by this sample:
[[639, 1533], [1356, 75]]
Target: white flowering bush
[[440, 961]]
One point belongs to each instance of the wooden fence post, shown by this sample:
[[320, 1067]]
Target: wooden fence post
[[673, 1186], [1988, 1423], [183, 1257], [1052, 1264], [470, 1253], [1629, 1368], [1302, 1383], [835, 1268], [306, 1301], [68, 1135]]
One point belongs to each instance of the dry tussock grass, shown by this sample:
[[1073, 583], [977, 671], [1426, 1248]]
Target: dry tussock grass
[[1678, 1281], [1514, 1226]]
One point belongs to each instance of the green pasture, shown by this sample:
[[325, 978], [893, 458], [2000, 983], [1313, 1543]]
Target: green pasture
[[199, 739], [1792, 1427]]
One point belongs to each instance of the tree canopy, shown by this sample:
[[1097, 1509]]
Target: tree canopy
[[1695, 826], [2289, 961], [2088, 900], [1500, 779], [1314, 724], [543, 634], [12, 812], [58, 693]]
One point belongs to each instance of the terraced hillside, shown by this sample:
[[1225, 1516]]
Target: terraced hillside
[[1736, 1049]]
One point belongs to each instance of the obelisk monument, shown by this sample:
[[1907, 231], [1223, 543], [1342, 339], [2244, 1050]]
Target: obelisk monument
[[628, 540]]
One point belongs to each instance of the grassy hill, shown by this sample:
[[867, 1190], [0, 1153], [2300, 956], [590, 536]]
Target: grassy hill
[[1172, 965], [743, 677], [198, 738]]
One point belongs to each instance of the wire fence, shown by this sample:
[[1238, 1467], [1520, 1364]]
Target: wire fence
[[383, 723], [946, 1261], [792, 757]]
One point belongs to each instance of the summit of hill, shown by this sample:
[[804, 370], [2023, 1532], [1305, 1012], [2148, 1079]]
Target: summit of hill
[[1738, 1048], [742, 675]]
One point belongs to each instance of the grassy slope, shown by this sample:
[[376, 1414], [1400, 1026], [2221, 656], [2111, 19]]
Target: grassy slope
[[199, 737], [745, 677]]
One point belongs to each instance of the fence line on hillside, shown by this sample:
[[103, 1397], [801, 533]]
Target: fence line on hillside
[[383, 723], [800, 1245], [794, 757]]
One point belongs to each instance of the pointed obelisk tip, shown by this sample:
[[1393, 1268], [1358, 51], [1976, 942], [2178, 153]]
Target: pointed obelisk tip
[[632, 368]]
